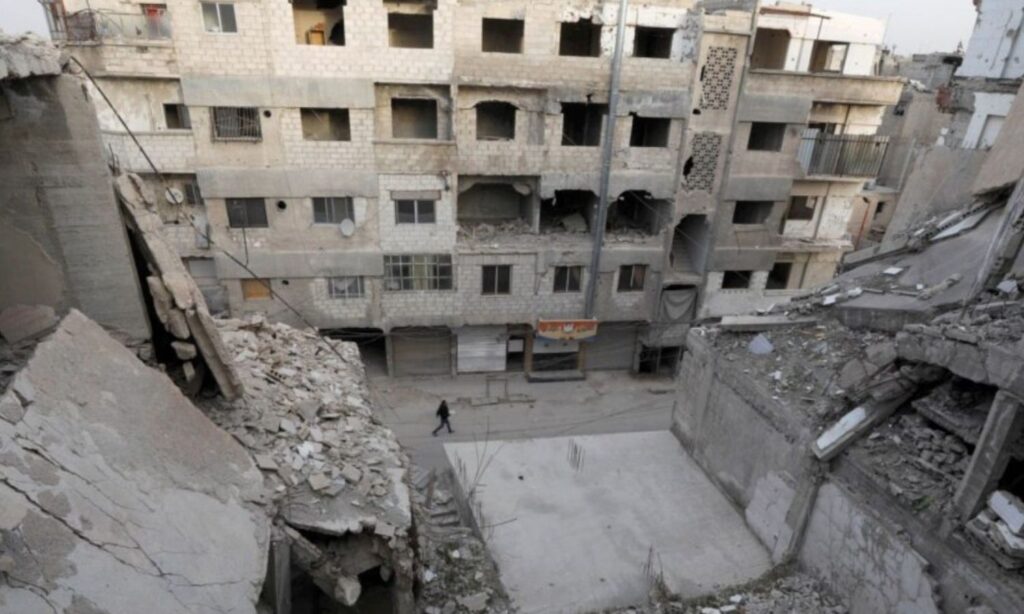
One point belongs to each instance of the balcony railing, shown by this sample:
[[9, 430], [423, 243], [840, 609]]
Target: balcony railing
[[842, 155], [89, 25]]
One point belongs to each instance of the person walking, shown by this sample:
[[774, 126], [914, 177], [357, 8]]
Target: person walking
[[444, 414]]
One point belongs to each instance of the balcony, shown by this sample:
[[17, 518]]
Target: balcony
[[96, 26], [842, 155]]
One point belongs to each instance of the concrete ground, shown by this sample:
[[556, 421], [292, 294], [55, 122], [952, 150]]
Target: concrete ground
[[578, 524], [606, 402]]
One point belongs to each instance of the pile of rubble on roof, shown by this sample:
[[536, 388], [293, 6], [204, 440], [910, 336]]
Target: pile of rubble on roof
[[28, 55], [331, 467]]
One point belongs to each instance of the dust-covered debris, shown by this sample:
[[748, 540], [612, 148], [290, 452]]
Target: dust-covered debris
[[999, 529], [456, 572], [332, 470], [797, 593], [922, 465]]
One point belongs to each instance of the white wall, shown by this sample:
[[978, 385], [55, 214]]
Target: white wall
[[996, 48], [864, 34], [986, 106]]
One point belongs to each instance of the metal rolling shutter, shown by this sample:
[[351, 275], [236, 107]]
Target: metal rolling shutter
[[482, 349], [613, 348], [422, 352]]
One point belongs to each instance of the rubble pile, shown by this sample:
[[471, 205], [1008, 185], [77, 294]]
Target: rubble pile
[[796, 593], [922, 465], [306, 418], [483, 231], [335, 475], [999, 529], [805, 365], [992, 322], [456, 572]]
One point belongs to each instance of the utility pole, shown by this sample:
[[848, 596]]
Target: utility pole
[[607, 152]]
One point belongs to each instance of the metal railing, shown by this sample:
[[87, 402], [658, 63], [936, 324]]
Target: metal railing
[[90, 25], [842, 155]]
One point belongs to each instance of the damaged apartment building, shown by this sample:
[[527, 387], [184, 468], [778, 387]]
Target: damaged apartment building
[[425, 176]]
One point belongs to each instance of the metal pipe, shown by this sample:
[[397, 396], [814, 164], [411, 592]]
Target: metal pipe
[[607, 151]]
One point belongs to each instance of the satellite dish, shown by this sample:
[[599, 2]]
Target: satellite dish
[[174, 196], [347, 227]]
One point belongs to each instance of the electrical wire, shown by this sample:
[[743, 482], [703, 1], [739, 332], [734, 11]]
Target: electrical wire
[[244, 265]]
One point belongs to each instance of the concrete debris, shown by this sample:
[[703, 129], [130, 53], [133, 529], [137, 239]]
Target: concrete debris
[[24, 322], [996, 538], [920, 464], [183, 350], [28, 55], [481, 232], [456, 570], [853, 425], [112, 478], [177, 300], [1010, 510], [796, 593], [333, 470], [1008, 287], [761, 323], [574, 223], [760, 345]]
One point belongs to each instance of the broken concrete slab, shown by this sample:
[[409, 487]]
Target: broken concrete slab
[[854, 425], [761, 323], [183, 350], [179, 302], [22, 322], [112, 478], [1010, 510]]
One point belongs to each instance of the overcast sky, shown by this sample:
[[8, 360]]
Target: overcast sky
[[915, 26]]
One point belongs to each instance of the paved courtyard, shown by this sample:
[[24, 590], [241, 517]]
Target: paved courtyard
[[582, 523], [606, 402]]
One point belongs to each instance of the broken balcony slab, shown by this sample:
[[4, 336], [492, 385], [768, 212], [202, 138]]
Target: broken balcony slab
[[118, 492], [573, 521], [859, 421]]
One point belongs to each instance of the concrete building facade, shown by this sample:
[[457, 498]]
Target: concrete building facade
[[427, 173]]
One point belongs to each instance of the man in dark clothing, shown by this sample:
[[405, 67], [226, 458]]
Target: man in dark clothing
[[443, 413]]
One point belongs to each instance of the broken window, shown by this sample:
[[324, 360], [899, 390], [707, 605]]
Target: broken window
[[801, 208], [580, 38], [325, 125], [345, 287], [778, 277], [236, 124], [581, 123], [497, 279], [246, 213], [319, 22], [502, 35], [413, 118], [568, 279], [752, 211], [652, 42], [650, 131], [771, 47], [219, 17], [636, 211], [411, 30], [569, 210], [176, 117], [495, 121], [256, 289], [333, 210], [192, 193], [494, 203], [418, 272], [766, 136], [829, 56], [631, 277], [415, 212], [736, 280]]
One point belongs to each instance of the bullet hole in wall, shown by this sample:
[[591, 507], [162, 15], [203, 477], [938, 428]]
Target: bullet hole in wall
[[281, 205]]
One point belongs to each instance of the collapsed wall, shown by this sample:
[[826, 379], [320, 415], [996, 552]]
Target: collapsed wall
[[116, 491]]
